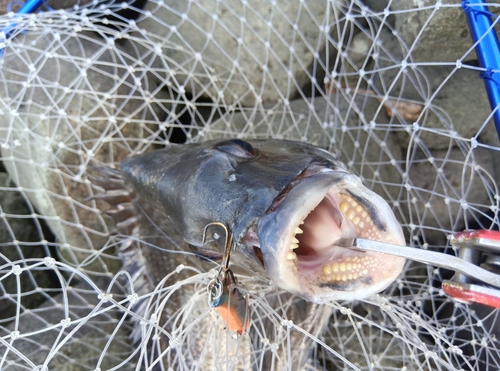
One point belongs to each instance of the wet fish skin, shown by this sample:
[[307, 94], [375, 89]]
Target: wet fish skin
[[156, 253], [177, 177], [166, 178], [262, 190], [252, 187]]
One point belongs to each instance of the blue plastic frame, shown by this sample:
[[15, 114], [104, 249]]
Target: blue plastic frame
[[29, 6], [481, 25]]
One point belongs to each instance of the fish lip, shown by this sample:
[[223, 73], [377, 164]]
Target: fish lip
[[276, 229], [284, 218]]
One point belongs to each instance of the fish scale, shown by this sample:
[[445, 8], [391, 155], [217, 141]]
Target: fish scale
[[164, 253], [261, 191]]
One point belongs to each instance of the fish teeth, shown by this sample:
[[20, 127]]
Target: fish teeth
[[294, 246], [291, 256], [298, 231], [295, 240]]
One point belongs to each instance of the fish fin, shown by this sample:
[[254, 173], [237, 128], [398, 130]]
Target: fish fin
[[135, 264], [115, 194], [106, 177]]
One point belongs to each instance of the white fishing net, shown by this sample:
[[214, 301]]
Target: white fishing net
[[391, 87]]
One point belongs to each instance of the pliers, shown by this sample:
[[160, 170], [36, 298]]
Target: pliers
[[477, 267]]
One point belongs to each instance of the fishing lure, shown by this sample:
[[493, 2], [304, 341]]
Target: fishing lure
[[223, 292]]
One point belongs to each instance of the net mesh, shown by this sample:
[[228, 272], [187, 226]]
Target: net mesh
[[390, 87]]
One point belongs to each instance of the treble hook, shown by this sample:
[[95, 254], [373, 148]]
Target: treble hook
[[215, 286], [223, 293]]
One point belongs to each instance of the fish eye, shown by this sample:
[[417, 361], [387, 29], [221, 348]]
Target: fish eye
[[237, 147]]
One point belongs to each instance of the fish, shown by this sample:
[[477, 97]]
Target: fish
[[288, 206]]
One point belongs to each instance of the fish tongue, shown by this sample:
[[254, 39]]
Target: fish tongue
[[313, 262], [322, 227]]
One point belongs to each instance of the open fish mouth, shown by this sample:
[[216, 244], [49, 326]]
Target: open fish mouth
[[289, 206], [299, 238]]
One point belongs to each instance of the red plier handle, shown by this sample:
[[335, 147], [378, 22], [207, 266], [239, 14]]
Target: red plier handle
[[471, 282]]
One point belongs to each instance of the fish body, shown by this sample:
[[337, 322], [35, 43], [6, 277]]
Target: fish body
[[287, 204]]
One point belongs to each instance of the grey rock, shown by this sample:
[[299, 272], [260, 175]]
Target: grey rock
[[86, 338], [376, 5], [487, 133], [357, 57], [459, 107], [445, 37], [239, 52], [21, 238], [446, 190], [455, 107], [61, 96], [463, 98], [454, 100]]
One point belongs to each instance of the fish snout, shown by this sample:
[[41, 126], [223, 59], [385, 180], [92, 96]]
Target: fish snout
[[300, 239]]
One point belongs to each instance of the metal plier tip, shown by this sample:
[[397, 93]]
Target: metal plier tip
[[477, 267]]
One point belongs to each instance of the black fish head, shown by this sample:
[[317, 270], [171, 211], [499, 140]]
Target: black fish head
[[286, 203]]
